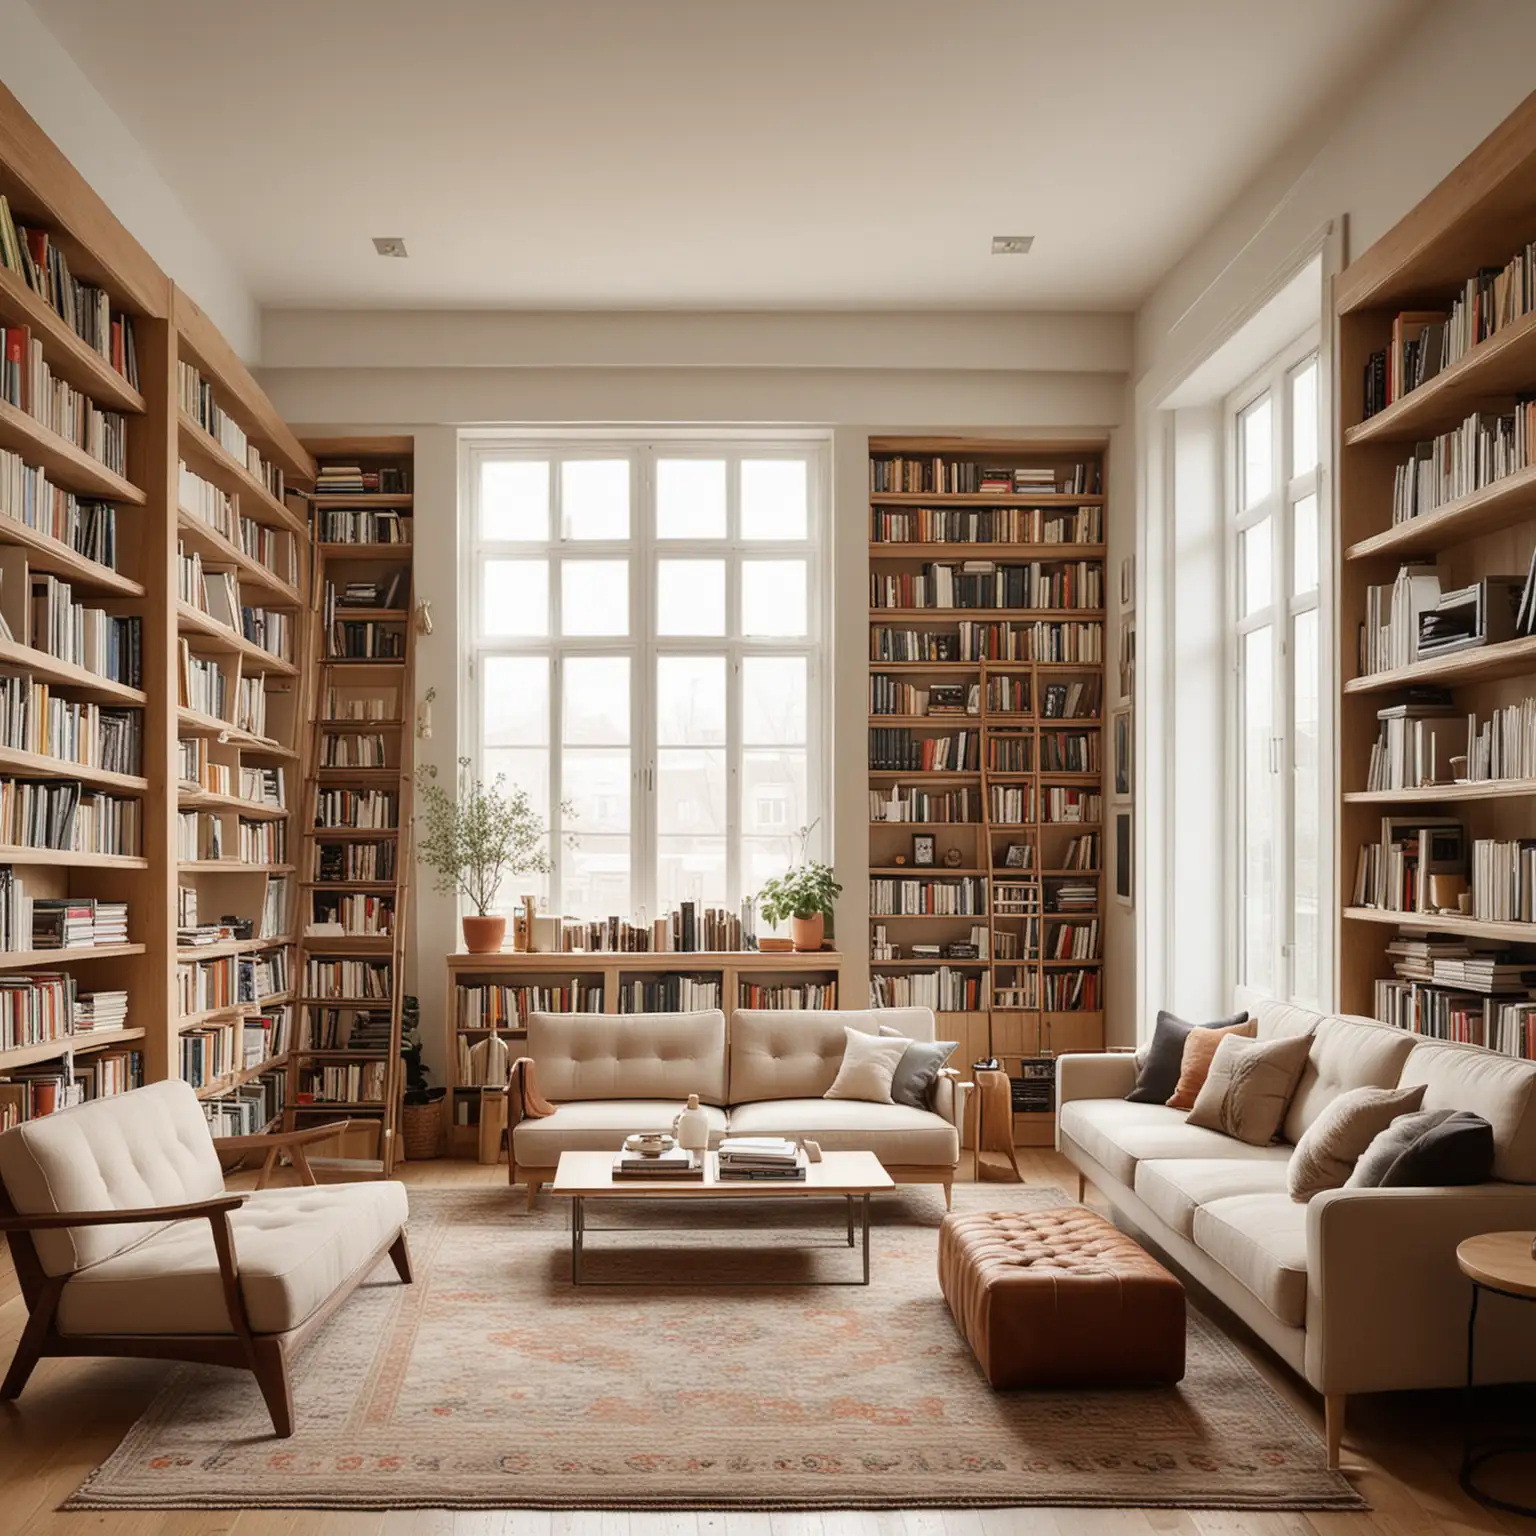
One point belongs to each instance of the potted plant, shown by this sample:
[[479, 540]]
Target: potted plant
[[422, 1117], [806, 895], [474, 840]]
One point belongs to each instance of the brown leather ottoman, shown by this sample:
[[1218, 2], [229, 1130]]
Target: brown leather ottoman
[[1060, 1298]]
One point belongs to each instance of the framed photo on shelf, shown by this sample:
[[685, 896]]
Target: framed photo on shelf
[[1128, 582], [1123, 747], [922, 849], [1017, 856], [1123, 840], [1128, 660]]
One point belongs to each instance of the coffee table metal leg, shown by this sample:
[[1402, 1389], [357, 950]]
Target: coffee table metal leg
[[578, 1218], [864, 1204], [848, 1202]]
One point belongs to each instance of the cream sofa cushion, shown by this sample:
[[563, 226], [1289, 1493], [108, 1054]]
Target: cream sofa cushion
[[1277, 1020], [149, 1147], [1175, 1188], [789, 1053], [1261, 1241], [599, 1126], [294, 1248], [1346, 1053], [896, 1133], [629, 1055], [1500, 1089], [1118, 1135]]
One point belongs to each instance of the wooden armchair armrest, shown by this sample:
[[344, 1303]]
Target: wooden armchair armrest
[[47, 1221], [277, 1141]]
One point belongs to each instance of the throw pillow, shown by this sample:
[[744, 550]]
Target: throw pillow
[[869, 1064], [1436, 1147], [919, 1068], [1249, 1084], [1199, 1047], [1157, 1072], [1331, 1146]]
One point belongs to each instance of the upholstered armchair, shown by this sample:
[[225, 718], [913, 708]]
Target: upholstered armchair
[[126, 1242]]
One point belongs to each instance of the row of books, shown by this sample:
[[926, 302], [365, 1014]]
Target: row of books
[[1505, 1025], [988, 584], [27, 382], [1061, 804], [248, 1109], [338, 978], [202, 837], [390, 593], [1072, 941], [366, 526], [787, 994], [198, 401], [349, 704], [890, 896], [35, 719], [986, 525], [945, 990], [975, 947], [28, 497], [1395, 873], [1069, 751], [1485, 448], [688, 929], [56, 922], [497, 1006], [897, 749], [1011, 754], [351, 1082], [1430, 742], [64, 815], [41, 608], [208, 1053], [1010, 694], [364, 640], [1011, 805], [894, 696], [39, 1007], [906, 803], [668, 994], [27, 1093], [363, 863], [358, 480], [228, 981], [899, 474], [204, 686], [1043, 640], [370, 809], [272, 548], [357, 915], [353, 749], [31, 252], [1504, 880], [363, 1031]]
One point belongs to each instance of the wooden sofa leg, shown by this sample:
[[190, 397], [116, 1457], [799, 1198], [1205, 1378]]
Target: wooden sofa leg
[[1082, 1188], [29, 1347], [534, 1186], [271, 1370], [400, 1256], [949, 1197], [1333, 1426]]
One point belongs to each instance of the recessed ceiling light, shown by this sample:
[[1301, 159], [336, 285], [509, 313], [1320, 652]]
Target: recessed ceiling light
[[1012, 245], [389, 245]]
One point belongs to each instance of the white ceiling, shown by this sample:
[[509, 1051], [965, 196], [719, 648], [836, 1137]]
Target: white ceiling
[[713, 153]]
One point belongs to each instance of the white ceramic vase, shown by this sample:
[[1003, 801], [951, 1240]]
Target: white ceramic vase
[[692, 1128]]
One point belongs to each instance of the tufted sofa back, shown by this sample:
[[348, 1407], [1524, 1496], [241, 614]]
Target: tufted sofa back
[[793, 1053], [629, 1055], [148, 1147]]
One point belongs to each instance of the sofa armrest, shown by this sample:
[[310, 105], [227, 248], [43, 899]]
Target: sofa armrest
[[48, 1221], [1386, 1303], [1094, 1075], [293, 1142]]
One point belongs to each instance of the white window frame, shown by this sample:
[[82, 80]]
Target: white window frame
[[643, 549], [1280, 614]]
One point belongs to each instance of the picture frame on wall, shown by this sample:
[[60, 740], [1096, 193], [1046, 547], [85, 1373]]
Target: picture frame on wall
[[1124, 840], [1128, 582], [922, 849], [1127, 667], [1124, 747]]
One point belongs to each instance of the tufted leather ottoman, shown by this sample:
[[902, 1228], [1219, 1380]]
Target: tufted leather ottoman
[[1060, 1298]]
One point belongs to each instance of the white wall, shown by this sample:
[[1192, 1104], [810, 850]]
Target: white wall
[[944, 378], [69, 109]]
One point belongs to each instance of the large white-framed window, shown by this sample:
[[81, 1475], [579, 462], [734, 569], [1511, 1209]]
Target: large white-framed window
[[1277, 536], [643, 642]]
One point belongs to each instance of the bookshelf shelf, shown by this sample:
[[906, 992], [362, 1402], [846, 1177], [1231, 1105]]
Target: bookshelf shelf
[[217, 550], [238, 1079], [1509, 658], [37, 764], [231, 947], [65, 858], [207, 456], [981, 615], [362, 502], [1439, 794], [50, 669], [49, 554], [915, 549], [51, 1050], [189, 799], [1513, 933], [68, 466], [982, 499], [49, 959], [230, 867], [1507, 503]]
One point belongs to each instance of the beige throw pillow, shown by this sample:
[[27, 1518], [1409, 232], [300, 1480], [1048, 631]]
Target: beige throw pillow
[[1331, 1146], [869, 1064], [1249, 1085]]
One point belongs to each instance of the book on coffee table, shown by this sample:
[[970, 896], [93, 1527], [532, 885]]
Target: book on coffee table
[[676, 1164], [760, 1157]]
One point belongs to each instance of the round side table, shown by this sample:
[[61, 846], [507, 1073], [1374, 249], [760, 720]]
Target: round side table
[[1500, 1263]]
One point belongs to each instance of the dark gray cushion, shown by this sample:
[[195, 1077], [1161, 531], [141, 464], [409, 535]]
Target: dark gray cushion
[[1431, 1149], [1158, 1075], [918, 1070]]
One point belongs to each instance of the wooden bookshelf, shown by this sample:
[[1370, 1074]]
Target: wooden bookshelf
[[1479, 217], [1018, 751], [730, 971]]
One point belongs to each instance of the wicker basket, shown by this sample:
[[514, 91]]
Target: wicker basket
[[423, 1131]]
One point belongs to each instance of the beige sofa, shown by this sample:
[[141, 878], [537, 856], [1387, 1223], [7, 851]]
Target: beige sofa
[[1357, 1290], [610, 1074]]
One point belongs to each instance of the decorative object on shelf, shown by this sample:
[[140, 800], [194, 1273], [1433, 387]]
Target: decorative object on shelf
[[899, 859], [806, 895], [922, 849], [424, 716], [692, 1127], [476, 839], [770, 945], [424, 622], [952, 858], [652, 1143]]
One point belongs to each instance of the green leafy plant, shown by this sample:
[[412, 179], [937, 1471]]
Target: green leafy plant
[[475, 839], [417, 1090], [804, 891]]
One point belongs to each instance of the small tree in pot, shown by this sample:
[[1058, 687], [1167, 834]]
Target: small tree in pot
[[806, 895], [474, 841]]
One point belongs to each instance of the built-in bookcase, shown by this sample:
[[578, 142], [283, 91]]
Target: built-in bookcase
[[986, 742], [1437, 496]]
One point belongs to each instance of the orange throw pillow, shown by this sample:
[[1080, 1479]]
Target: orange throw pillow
[[1195, 1066]]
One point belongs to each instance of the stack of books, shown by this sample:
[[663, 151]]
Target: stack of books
[[760, 1157], [675, 1164]]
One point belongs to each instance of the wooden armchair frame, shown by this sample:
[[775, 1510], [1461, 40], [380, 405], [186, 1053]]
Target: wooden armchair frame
[[266, 1356]]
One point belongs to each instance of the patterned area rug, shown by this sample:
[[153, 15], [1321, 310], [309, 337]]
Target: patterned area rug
[[490, 1383]]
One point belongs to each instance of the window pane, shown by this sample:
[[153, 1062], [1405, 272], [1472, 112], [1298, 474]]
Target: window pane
[[1256, 451], [514, 598], [690, 597], [594, 498], [516, 701], [773, 690], [526, 768], [1304, 418], [690, 498], [596, 701], [1306, 871], [596, 871], [514, 500], [594, 597], [1257, 564], [763, 858], [1257, 828], [690, 790], [773, 499], [773, 597], [595, 782], [690, 869], [773, 795], [690, 700], [1304, 545]]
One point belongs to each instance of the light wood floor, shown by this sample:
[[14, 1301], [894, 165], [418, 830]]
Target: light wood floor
[[1400, 1451]]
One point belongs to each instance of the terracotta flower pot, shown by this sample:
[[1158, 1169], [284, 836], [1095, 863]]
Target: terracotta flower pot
[[808, 932], [483, 935]]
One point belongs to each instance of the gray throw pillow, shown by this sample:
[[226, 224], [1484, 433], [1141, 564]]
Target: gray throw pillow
[[1435, 1148], [1157, 1075], [918, 1069], [1331, 1146]]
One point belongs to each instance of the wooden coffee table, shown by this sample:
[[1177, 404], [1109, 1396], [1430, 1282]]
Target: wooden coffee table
[[848, 1176]]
